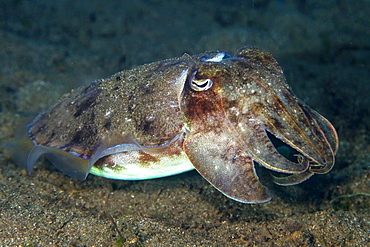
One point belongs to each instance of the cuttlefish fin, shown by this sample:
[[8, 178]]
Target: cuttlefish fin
[[79, 168], [126, 143], [19, 151], [67, 163], [222, 162], [25, 154]]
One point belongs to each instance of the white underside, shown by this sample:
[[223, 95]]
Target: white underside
[[136, 171]]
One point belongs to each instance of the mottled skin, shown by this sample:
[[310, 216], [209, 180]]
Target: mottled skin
[[141, 102], [243, 104], [211, 111]]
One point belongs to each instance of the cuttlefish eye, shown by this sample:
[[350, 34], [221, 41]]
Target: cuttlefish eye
[[201, 84]]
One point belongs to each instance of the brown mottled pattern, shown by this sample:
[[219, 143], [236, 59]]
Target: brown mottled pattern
[[142, 102], [249, 97], [223, 127]]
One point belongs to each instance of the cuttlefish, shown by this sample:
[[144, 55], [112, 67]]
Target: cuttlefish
[[219, 114]]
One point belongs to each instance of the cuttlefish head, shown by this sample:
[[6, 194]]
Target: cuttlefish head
[[240, 110]]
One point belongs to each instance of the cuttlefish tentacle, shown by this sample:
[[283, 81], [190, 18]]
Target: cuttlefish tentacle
[[291, 179]]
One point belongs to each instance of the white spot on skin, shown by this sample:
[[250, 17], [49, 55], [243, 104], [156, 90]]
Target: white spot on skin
[[107, 113], [217, 58], [241, 126], [234, 109], [149, 118]]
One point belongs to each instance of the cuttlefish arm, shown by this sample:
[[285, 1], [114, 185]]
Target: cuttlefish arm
[[222, 162], [327, 132], [270, 108]]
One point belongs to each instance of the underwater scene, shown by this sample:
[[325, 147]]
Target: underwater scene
[[184, 123]]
